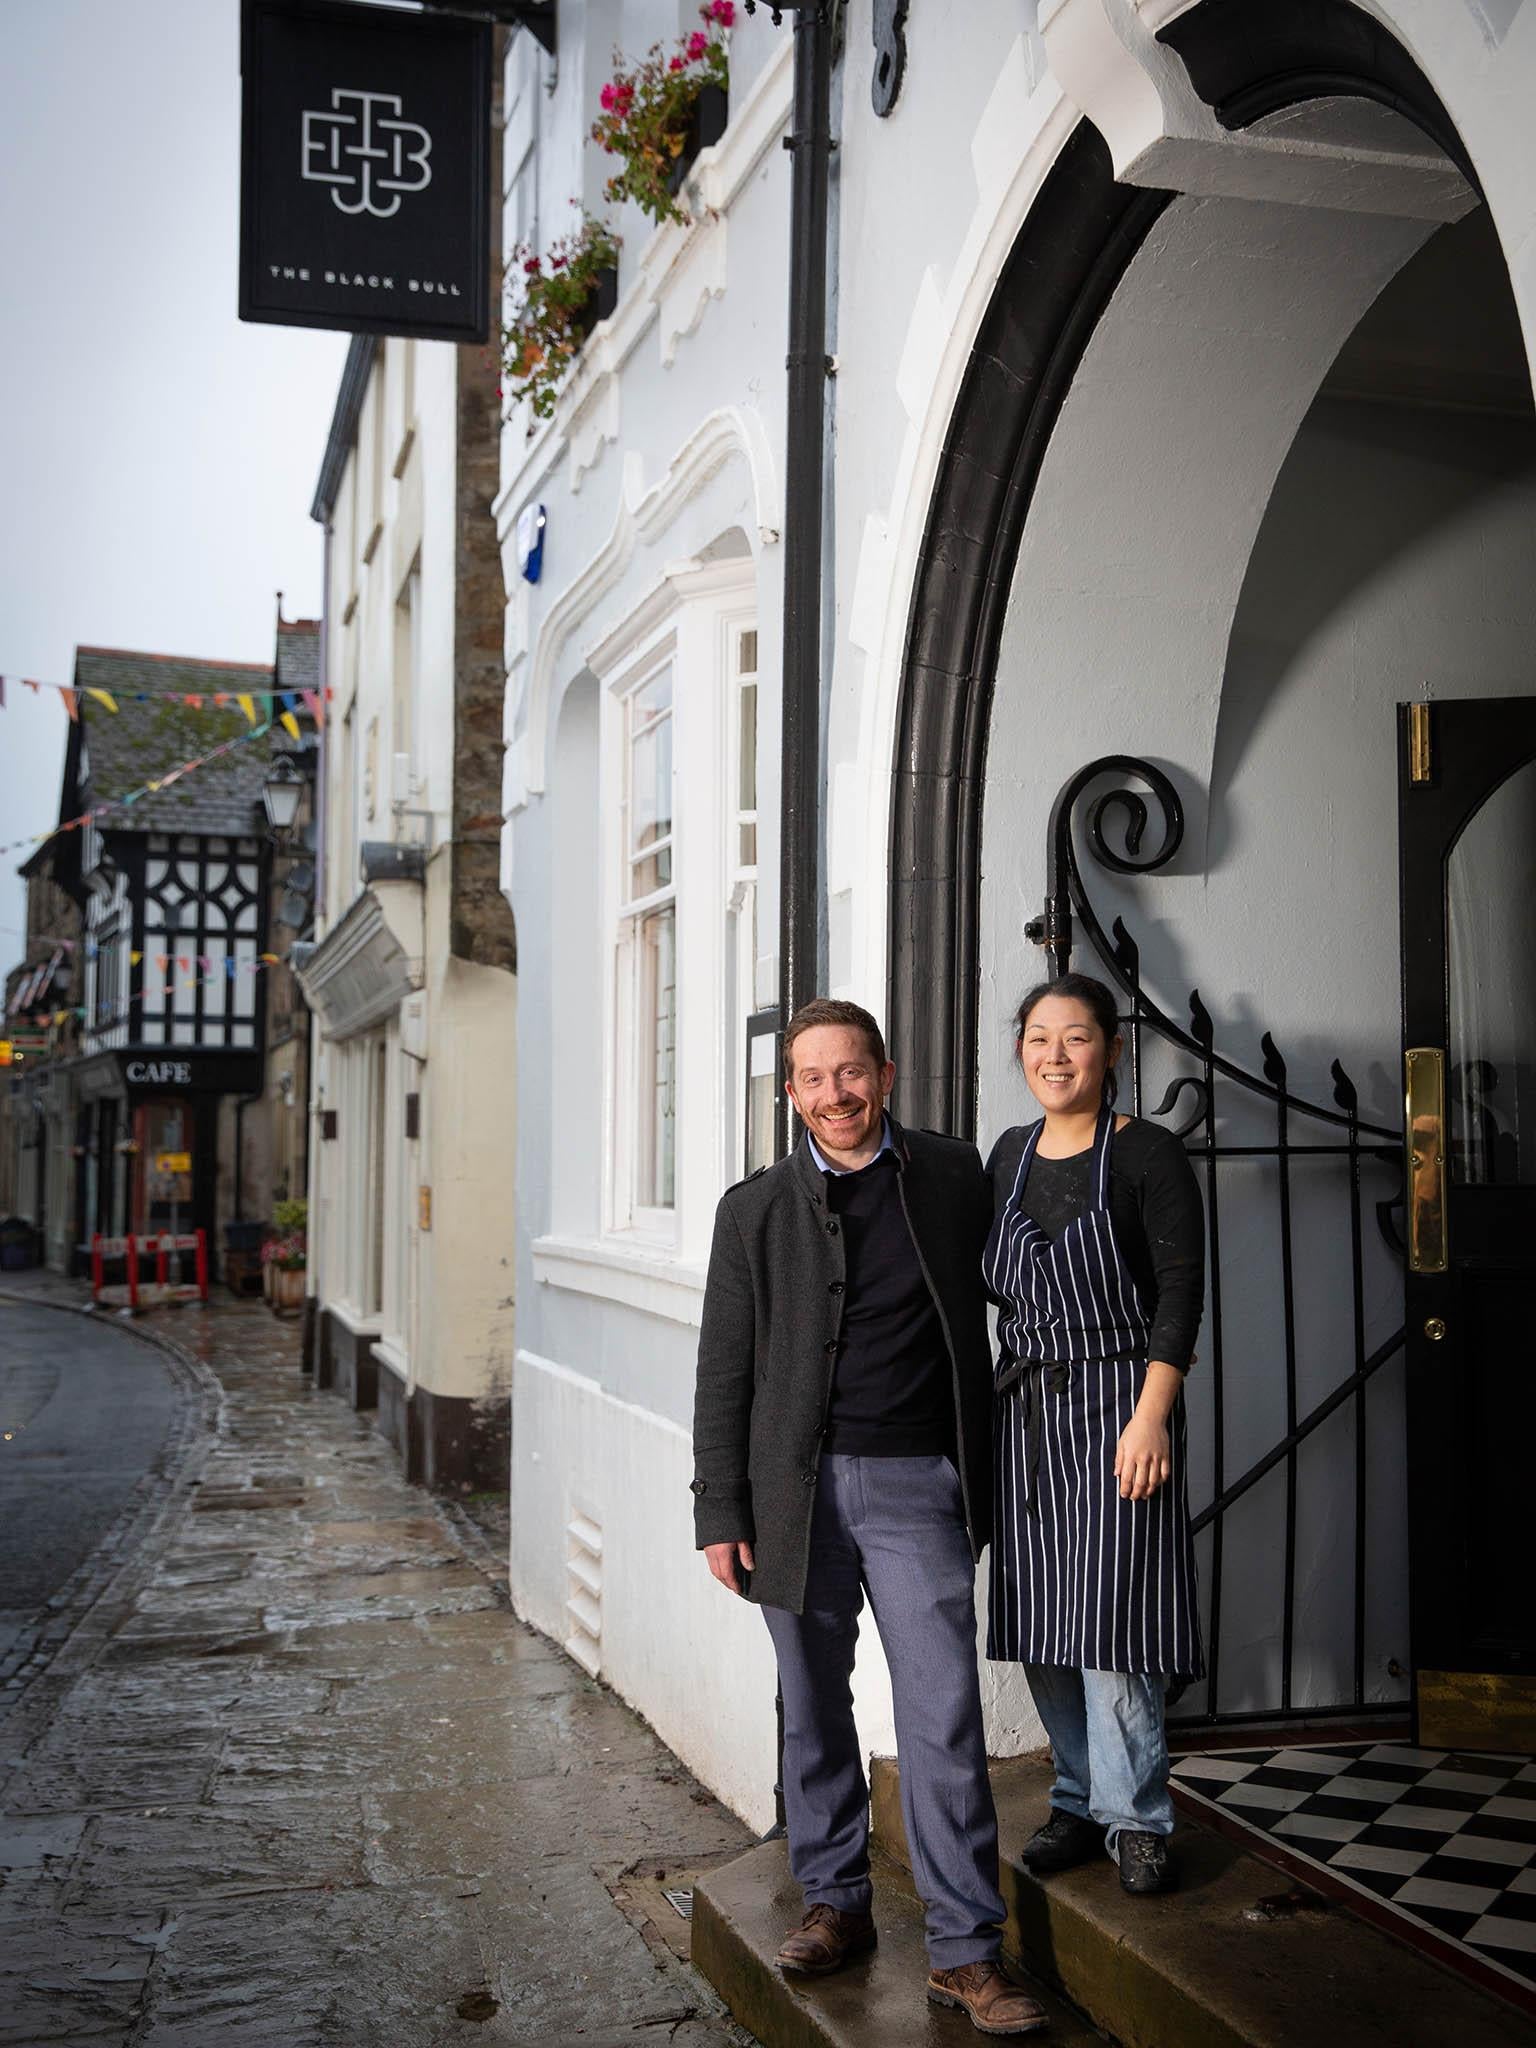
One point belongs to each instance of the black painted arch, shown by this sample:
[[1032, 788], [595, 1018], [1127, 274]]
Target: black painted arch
[[1247, 58]]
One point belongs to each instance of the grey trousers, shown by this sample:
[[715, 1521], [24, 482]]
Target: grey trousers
[[893, 1527]]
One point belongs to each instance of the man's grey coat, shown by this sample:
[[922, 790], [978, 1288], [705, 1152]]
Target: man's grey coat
[[772, 1314]]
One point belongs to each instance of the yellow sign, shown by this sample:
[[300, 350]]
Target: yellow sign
[[5, 1052], [173, 1162]]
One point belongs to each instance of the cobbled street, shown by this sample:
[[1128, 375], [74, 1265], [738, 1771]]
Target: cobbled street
[[280, 1766]]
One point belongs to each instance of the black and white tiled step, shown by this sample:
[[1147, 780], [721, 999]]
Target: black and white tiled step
[[1445, 1840]]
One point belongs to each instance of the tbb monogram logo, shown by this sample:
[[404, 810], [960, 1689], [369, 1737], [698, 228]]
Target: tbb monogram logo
[[365, 152]]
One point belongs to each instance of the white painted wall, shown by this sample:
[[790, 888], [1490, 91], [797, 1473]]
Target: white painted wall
[[447, 1318], [1123, 623]]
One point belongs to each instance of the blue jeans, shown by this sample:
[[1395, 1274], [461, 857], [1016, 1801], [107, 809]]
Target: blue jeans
[[1108, 1745], [892, 1528]]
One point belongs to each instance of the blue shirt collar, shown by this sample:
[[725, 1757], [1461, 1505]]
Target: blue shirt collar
[[887, 1144]]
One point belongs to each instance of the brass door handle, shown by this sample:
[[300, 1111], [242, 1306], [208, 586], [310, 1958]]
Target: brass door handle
[[1424, 1163], [1434, 1328]]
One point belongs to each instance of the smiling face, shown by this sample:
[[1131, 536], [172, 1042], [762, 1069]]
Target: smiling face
[[1065, 1057], [839, 1090]]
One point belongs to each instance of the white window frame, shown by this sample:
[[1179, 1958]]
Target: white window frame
[[628, 1208], [688, 620]]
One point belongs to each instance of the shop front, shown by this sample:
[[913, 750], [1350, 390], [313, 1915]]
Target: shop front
[[152, 1136]]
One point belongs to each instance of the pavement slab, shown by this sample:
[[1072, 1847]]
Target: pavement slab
[[279, 1767]]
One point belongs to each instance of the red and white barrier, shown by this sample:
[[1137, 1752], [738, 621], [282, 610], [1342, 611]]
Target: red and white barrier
[[157, 1246]]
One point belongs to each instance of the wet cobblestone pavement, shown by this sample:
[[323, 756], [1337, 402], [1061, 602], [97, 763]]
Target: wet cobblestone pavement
[[279, 1767]]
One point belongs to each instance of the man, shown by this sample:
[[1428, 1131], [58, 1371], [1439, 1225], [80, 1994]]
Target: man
[[842, 1445]]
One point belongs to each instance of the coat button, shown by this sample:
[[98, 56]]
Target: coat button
[[830, 1347], [836, 1287], [698, 1486], [808, 1478], [832, 1228]]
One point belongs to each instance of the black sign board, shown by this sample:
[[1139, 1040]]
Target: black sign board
[[365, 169]]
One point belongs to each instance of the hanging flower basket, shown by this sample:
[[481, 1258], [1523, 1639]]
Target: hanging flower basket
[[706, 125], [654, 117], [564, 295]]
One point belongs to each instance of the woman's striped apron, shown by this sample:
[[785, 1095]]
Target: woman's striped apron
[[1079, 1576]]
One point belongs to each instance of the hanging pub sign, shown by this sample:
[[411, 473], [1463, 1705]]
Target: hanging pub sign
[[365, 169]]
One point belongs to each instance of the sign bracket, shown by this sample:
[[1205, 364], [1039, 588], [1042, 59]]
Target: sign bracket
[[537, 16]]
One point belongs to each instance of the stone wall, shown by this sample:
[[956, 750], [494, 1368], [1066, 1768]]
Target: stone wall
[[481, 927]]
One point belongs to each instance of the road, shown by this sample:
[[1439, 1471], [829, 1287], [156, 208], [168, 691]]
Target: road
[[84, 1408]]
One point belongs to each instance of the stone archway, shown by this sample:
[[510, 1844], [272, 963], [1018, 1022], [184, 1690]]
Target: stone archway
[[1315, 62]]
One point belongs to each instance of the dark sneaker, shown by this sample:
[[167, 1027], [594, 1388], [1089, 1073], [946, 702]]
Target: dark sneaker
[[989, 1995], [825, 1940], [1146, 1863], [1065, 1840]]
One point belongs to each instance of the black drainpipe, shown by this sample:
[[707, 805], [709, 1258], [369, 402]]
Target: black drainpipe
[[809, 142]]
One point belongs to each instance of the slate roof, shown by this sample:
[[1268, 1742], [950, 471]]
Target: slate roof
[[150, 734]]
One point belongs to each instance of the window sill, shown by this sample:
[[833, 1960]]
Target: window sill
[[648, 1280], [392, 1357]]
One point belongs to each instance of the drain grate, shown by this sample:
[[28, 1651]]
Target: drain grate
[[679, 1898]]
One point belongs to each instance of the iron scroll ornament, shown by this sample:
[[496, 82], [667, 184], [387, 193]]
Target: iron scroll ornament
[[1067, 898]]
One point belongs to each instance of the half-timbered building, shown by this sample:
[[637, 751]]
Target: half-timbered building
[[173, 889]]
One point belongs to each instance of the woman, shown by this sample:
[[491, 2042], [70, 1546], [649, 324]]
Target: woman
[[1096, 1261]]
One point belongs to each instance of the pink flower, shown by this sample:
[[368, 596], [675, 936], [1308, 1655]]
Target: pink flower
[[532, 267], [677, 64], [722, 11], [698, 43], [607, 97], [557, 263]]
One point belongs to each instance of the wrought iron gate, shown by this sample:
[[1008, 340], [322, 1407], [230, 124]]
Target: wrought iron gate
[[1302, 1130]]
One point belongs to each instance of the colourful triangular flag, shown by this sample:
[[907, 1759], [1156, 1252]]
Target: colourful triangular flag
[[104, 698], [313, 705], [248, 706], [71, 702]]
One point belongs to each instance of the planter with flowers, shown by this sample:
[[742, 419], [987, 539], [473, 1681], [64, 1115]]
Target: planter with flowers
[[564, 294], [657, 115], [285, 1257]]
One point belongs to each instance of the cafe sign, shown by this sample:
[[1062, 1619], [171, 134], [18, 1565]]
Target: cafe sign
[[365, 169]]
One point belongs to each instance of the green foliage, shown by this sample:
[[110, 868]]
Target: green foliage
[[544, 336], [290, 1215], [646, 110]]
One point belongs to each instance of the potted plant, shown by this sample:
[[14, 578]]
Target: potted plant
[[284, 1257], [657, 115], [564, 295]]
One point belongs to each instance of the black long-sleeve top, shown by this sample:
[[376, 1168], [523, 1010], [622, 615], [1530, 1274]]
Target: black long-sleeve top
[[1154, 1210]]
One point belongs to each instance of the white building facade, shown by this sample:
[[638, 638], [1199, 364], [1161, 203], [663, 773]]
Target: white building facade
[[412, 977], [1181, 414]]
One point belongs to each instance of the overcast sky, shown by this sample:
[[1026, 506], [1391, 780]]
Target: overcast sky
[[157, 457]]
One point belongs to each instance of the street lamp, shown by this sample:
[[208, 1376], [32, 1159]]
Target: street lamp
[[281, 793]]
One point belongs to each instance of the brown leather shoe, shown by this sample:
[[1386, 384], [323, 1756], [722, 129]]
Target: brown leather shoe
[[825, 1940], [986, 1991]]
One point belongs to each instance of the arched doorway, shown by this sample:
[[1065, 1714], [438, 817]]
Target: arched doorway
[[1221, 472]]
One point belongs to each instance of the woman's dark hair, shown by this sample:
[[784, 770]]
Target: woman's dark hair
[[1099, 1000]]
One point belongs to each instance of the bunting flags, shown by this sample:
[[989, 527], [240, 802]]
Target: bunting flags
[[169, 986], [132, 796], [314, 701]]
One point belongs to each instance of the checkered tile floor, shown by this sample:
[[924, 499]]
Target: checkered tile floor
[[1444, 1839]]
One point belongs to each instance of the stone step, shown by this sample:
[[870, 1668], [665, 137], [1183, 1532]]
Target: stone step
[[740, 1912], [1192, 1970]]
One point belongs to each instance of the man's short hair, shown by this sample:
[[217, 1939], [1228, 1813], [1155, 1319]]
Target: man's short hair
[[824, 1010]]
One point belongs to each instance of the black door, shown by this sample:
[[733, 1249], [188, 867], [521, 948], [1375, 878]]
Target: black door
[[1467, 817]]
